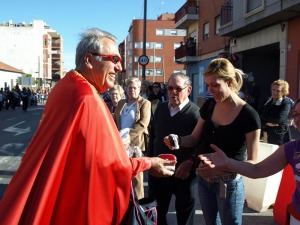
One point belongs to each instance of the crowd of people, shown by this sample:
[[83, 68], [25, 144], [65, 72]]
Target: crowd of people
[[21, 97], [78, 162], [228, 119]]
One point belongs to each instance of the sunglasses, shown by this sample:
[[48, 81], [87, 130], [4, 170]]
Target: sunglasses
[[113, 58], [178, 89]]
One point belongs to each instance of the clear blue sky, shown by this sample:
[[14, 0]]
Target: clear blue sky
[[69, 18]]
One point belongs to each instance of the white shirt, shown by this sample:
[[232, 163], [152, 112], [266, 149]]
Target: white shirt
[[174, 111], [128, 116]]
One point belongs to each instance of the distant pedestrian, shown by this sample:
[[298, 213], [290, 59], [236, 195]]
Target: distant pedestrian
[[24, 98], [1, 101]]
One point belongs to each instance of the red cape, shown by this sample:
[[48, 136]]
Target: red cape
[[75, 169]]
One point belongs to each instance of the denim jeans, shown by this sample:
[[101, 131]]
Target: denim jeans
[[216, 209]]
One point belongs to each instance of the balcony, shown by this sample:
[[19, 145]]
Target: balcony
[[226, 13], [242, 17], [186, 53], [186, 15], [56, 56], [56, 45]]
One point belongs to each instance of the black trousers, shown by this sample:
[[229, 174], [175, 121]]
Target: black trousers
[[185, 194]]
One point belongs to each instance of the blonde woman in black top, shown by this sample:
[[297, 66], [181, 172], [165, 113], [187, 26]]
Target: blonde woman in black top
[[225, 120]]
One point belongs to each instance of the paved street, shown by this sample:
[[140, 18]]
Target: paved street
[[16, 130], [18, 127]]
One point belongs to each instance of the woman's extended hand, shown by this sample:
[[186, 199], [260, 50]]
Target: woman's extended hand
[[213, 164]]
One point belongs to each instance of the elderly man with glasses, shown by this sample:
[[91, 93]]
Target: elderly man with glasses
[[177, 116], [76, 169]]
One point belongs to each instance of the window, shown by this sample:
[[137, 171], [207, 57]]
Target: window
[[149, 45], [180, 71], [174, 32], [171, 32], [158, 59], [159, 72], [253, 5], [138, 45], [205, 31], [149, 72], [136, 58], [138, 72], [177, 45], [159, 45], [217, 24], [159, 32]]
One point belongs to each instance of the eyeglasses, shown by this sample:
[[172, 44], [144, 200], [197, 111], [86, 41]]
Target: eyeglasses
[[113, 58], [155, 87], [178, 89]]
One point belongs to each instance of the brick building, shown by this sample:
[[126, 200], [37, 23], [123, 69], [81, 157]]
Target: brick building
[[258, 36], [161, 40]]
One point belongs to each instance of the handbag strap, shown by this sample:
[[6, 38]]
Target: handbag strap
[[134, 199], [147, 212]]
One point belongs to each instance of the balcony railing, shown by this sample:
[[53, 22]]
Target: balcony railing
[[56, 45], [226, 13], [190, 7], [185, 50], [55, 56]]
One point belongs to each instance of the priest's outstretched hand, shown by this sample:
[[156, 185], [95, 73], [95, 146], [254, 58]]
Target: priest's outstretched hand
[[160, 167]]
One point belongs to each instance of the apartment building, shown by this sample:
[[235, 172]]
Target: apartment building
[[265, 36], [161, 41], [201, 19], [34, 48], [261, 37]]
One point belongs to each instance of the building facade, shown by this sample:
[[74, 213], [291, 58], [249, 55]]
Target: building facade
[[34, 48], [161, 40], [258, 36], [9, 76], [265, 36], [201, 19]]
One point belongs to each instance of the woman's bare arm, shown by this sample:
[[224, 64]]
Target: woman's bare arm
[[215, 162]]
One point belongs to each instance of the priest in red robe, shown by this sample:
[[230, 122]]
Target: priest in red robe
[[75, 169]]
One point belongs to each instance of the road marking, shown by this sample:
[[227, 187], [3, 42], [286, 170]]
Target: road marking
[[4, 148], [17, 131]]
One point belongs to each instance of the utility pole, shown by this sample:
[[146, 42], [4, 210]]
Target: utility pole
[[39, 72], [144, 39]]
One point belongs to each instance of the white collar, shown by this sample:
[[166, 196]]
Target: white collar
[[177, 109]]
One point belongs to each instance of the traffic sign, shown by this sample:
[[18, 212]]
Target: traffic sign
[[143, 60]]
